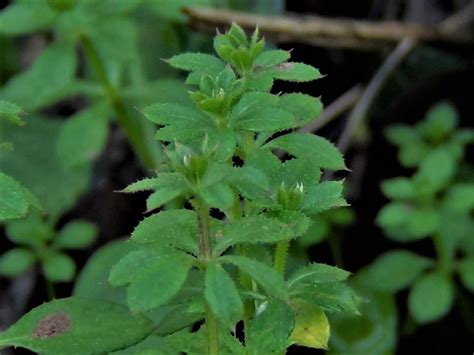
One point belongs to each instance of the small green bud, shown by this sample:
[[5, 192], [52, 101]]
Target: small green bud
[[290, 198]]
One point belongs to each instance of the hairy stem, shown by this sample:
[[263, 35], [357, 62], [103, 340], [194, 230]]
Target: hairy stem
[[281, 253], [205, 253], [135, 129]]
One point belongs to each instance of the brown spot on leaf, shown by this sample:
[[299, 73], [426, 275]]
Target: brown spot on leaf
[[52, 325]]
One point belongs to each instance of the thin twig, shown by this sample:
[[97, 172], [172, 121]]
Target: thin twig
[[335, 109], [326, 32], [373, 89]]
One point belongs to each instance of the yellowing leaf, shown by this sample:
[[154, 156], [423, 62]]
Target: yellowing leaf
[[311, 326]]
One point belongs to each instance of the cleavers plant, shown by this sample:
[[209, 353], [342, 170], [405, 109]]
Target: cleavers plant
[[229, 208]]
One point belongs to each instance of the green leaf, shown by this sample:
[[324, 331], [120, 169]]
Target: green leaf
[[313, 149], [329, 296], [76, 235], [83, 136], [399, 188], [11, 112], [205, 63], [460, 197], [465, 270], [252, 102], [266, 120], [272, 57], [437, 169], [251, 183], [222, 295], [35, 143], [315, 272], [58, 267], [219, 195], [265, 276], [152, 345], [152, 279], [253, 230], [311, 326], [76, 326], [431, 297], [16, 261], [172, 10], [23, 18], [269, 330], [13, 202], [401, 135], [305, 108], [298, 72], [422, 222], [31, 230], [440, 122], [395, 270], [173, 227], [324, 196], [166, 113], [45, 82]]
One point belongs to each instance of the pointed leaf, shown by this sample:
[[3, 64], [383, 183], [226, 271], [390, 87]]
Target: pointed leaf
[[315, 272], [305, 108], [313, 149], [324, 196], [272, 57], [311, 326], [202, 62], [13, 202], [75, 235], [265, 276], [222, 295], [298, 72], [16, 261]]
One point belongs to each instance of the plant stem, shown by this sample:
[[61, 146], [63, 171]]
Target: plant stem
[[136, 130], [281, 253], [50, 290], [212, 333], [205, 253]]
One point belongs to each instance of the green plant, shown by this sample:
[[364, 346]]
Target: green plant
[[222, 257], [436, 202]]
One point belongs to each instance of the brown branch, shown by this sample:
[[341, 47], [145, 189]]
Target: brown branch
[[326, 32]]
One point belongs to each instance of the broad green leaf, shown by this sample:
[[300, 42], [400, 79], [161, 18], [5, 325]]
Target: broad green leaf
[[16, 261], [251, 183], [77, 326], [439, 123], [82, 137], [58, 267], [297, 171], [166, 113], [393, 215], [272, 57], [253, 230], [162, 196], [305, 108], [316, 233], [269, 330], [13, 202], [460, 197], [431, 297], [395, 270], [252, 102], [152, 279], [403, 135], [298, 72], [161, 181], [422, 222], [75, 235], [23, 18], [411, 155], [35, 143], [324, 196], [373, 331], [313, 149], [399, 188], [45, 82], [91, 282], [152, 345], [466, 272], [219, 195], [31, 230], [11, 112], [202, 62], [222, 295], [265, 276], [296, 220], [437, 169], [311, 326], [265, 120], [315, 272], [173, 227], [329, 296]]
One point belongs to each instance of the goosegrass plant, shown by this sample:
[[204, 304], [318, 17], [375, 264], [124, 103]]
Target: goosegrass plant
[[205, 272]]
